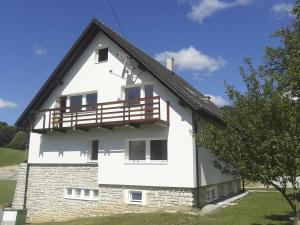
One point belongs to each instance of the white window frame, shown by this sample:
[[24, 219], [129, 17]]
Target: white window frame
[[83, 97], [148, 152], [89, 151], [91, 197], [210, 198], [128, 200], [97, 54], [142, 88]]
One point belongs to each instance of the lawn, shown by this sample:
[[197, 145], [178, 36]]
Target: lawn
[[7, 189], [10, 156], [255, 209]]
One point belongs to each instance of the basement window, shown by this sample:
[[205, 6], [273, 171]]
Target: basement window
[[81, 193], [211, 194], [135, 197]]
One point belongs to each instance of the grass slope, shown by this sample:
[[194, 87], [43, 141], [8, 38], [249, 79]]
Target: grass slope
[[257, 208], [10, 156], [7, 189]]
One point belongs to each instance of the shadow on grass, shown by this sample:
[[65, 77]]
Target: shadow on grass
[[279, 219]]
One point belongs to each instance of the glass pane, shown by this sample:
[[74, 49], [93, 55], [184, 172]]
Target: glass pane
[[91, 101], [149, 102], [137, 150], [86, 193], [132, 94], [158, 150], [77, 192], [75, 103], [96, 193], [103, 55], [136, 196], [95, 145], [69, 191], [148, 91]]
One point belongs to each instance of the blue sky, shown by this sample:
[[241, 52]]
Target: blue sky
[[207, 38]]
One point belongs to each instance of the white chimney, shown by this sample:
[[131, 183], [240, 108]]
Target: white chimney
[[170, 63]]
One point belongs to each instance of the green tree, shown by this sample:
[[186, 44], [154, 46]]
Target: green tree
[[6, 135], [260, 140], [19, 141]]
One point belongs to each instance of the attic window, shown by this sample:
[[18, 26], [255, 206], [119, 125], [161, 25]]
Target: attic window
[[102, 55]]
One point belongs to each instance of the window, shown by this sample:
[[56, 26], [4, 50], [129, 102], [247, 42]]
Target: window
[[91, 101], [147, 150], [86, 193], [135, 197], [158, 150], [132, 94], [69, 191], [149, 102], [102, 54], [81, 194], [75, 103], [137, 150], [96, 193], [211, 194], [94, 150]]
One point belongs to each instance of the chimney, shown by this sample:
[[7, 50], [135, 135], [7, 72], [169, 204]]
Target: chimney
[[170, 64]]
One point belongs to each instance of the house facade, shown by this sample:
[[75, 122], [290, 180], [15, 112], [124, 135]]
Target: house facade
[[113, 131]]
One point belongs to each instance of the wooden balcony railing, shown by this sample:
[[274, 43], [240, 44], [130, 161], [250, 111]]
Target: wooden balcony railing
[[106, 115]]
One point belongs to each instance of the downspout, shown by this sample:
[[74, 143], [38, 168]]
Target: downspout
[[197, 202]]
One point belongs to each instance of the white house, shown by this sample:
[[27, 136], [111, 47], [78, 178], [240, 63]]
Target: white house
[[112, 131]]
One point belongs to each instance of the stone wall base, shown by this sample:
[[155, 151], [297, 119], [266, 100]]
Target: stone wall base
[[46, 199]]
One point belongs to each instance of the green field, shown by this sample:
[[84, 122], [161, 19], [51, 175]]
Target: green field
[[10, 156], [255, 209], [7, 189]]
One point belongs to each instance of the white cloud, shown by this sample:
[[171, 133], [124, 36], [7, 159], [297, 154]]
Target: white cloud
[[282, 9], [192, 59], [205, 8], [218, 100], [40, 50], [4, 104]]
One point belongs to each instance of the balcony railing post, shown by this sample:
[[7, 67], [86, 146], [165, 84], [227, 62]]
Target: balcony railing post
[[96, 115], [124, 107], [44, 120], [101, 115], [168, 111], [49, 122]]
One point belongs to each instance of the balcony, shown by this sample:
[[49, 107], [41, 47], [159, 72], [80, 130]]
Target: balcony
[[105, 115]]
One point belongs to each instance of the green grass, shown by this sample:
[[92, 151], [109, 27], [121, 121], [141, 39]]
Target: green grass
[[10, 156], [7, 189], [256, 209]]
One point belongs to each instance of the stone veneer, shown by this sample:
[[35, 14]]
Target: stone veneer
[[46, 202]]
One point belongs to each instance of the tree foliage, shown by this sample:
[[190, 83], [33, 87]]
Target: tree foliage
[[11, 136], [260, 140], [19, 141]]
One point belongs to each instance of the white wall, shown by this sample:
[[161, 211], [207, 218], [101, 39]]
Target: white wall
[[72, 147], [209, 174]]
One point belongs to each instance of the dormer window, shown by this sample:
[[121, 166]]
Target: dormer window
[[102, 55]]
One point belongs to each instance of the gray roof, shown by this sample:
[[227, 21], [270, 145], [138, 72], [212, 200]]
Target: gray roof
[[188, 94]]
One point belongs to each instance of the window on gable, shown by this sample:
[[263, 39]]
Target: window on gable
[[75, 103], [102, 54], [158, 150], [137, 150], [91, 101]]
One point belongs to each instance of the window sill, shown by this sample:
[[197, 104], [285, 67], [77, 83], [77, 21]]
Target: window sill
[[81, 198], [145, 162], [101, 62], [92, 162]]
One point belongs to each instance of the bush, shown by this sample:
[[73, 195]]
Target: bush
[[19, 141]]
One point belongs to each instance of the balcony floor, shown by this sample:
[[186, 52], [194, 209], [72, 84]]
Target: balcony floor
[[106, 125]]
